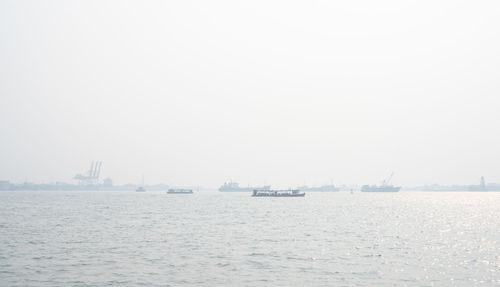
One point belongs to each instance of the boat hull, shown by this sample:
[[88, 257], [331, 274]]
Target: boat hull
[[367, 188], [179, 191], [279, 195], [174, 192]]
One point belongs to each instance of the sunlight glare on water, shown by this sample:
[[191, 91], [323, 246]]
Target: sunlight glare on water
[[231, 239]]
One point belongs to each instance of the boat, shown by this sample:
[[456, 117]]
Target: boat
[[278, 193], [324, 188], [179, 191], [141, 188], [235, 187], [384, 187]]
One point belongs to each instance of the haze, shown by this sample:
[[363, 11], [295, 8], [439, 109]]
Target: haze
[[275, 92]]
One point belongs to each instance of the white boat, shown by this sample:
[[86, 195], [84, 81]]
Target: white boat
[[141, 187]]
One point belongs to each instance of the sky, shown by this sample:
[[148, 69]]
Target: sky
[[260, 92]]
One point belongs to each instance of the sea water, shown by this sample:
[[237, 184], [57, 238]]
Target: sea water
[[104, 238]]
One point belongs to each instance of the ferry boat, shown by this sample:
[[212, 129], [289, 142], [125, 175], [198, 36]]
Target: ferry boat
[[278, 193], [179, 191]]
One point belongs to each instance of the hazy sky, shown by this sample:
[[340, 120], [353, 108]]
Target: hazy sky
[[276, 92]]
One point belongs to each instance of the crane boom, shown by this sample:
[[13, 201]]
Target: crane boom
[[389, 179]]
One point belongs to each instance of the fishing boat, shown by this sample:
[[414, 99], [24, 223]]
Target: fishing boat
[[278, 193], [179, 191]]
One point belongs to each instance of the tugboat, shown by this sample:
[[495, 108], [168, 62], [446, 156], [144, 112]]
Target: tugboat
[[277, 193], [179, 191]]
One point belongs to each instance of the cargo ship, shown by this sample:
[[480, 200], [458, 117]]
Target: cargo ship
[[384, 187], [234, 187]]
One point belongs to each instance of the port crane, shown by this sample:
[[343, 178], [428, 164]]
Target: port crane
[[92, 175]]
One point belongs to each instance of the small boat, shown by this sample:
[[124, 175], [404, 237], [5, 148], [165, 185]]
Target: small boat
[[179, 191], [278, 193], [141, 187]]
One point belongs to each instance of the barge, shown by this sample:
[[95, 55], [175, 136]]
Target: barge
[[278, 193]]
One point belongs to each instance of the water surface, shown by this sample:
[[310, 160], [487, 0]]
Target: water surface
[[231, 239]]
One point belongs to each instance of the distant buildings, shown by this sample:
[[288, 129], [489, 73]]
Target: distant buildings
[[480, 187], [107, 182], [483, 186], [4, 185]]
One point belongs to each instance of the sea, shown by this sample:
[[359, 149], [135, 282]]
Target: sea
[[209, 238]]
